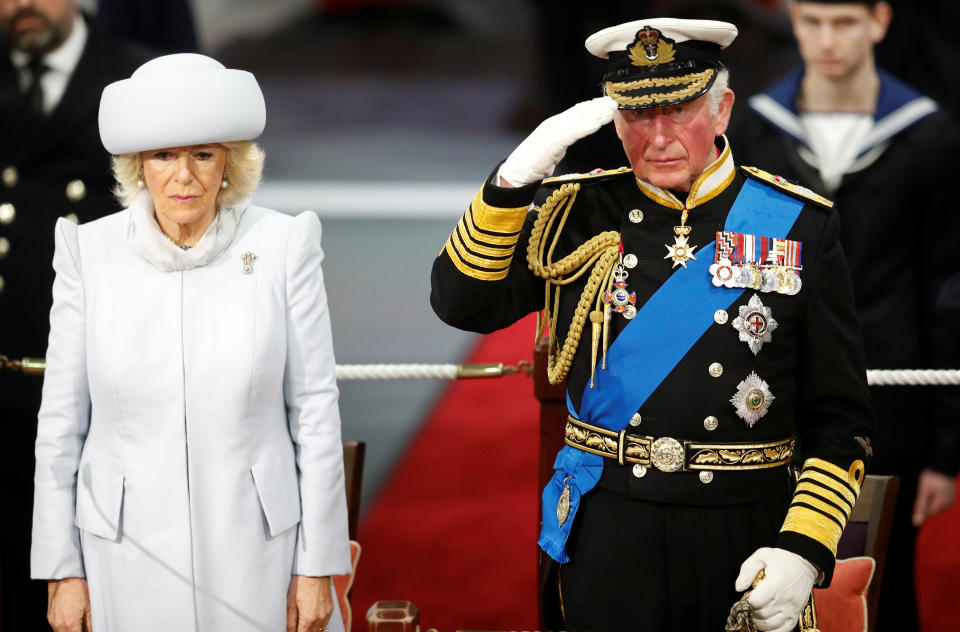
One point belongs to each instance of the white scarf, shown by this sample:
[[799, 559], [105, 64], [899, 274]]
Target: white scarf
[[147, 240]]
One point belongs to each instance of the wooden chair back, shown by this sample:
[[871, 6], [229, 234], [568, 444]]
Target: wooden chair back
[[868, 532]]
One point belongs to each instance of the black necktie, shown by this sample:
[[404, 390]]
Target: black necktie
[[34, 93]]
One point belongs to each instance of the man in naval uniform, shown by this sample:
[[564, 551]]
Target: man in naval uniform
[[884, 153], [53, 67], [702, 317]]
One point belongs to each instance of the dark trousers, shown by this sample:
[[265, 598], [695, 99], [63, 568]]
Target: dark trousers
[[637, 565]]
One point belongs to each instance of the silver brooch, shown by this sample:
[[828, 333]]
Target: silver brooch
[[247, 259], [752, 399], [755, 324]]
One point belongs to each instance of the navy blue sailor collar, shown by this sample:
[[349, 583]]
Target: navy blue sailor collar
[[898, 108]]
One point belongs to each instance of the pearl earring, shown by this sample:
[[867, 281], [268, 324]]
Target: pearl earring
[[224, 184], [140, 183]]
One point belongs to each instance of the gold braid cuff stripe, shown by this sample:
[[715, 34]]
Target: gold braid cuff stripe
[[670, 455], [810, 522], [478, 242], [823, 500], [499, 259], [496, 219], [822, 491], [697, 82], [472, 272], [483, 255], [844, 479], [824, 482], [468, 227]]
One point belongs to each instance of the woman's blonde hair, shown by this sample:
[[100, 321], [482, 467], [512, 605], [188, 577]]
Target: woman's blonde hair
[[242, 171]]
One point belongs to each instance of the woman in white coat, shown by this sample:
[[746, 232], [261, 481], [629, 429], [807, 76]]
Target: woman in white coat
[[189, 462]]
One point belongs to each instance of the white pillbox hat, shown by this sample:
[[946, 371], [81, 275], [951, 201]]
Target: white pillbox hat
[[181, 99]]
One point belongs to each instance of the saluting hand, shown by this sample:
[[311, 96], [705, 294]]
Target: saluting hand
[[309, 604], [538, 155], [68, 605]]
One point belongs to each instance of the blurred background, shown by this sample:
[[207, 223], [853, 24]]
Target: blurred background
[[384, 117]]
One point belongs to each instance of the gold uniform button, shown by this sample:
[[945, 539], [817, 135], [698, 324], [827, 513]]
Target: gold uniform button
[[636, 419], [72, 217], [706, 477], [639, 471], [630, 261], [716, 369], [7, 213], [4, 247], [720, 317], [711, 423], [10, 176], [76, 190], [636, 216]]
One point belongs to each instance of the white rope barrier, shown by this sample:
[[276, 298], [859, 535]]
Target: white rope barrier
[[428, 371], [913, 377], [875, 377], [396, 371]]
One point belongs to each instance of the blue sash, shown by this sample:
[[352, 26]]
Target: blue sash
[[650, 346]]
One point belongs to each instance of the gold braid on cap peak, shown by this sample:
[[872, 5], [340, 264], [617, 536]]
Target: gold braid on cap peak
[[823, 500], [697, 81], [599, 255]]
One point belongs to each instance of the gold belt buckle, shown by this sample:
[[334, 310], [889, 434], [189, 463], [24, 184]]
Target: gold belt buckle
[[666, 454]]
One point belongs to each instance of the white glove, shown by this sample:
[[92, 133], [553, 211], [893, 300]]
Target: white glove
[[779, 598], [538, 155]]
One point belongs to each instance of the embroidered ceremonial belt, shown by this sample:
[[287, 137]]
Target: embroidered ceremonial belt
[[670, 455]]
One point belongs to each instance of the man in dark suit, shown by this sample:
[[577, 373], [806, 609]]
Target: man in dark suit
[[53, 68]]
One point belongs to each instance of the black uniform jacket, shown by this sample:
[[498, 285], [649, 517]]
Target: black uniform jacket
[[813, 364], [900, 230]]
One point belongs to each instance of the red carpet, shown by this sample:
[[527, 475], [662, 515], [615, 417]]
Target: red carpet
[[455, 528]]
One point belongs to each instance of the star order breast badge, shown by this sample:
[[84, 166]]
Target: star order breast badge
[[755, 324], [752, 399]]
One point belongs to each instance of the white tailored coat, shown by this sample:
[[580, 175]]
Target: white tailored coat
[[189, 457]]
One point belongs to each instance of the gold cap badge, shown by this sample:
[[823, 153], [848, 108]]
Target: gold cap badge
[[650, 48]]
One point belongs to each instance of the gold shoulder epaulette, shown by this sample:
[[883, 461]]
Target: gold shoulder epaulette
[[592, 175], [780, 182]]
